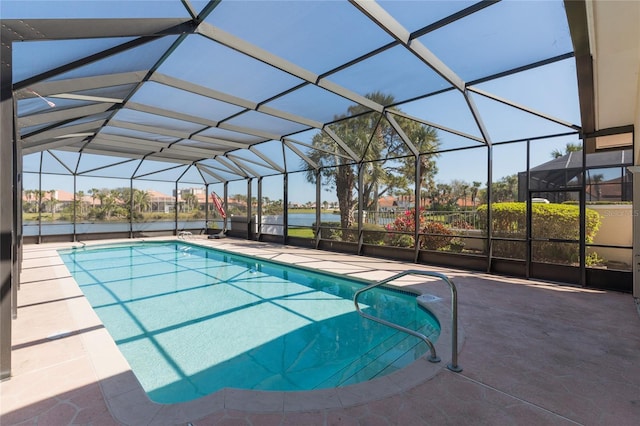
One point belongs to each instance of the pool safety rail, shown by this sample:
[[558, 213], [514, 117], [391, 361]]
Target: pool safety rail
[[433, 357]]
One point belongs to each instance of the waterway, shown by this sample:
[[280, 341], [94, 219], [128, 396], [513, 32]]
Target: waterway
[[60, 227]]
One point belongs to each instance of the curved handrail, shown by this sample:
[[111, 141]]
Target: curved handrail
[[433, 357]]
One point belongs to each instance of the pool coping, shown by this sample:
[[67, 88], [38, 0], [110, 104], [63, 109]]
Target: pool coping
[[129, 404]]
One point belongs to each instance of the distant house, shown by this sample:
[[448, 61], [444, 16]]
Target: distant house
[[387, 204], [390, 203], [160, 202], [607, 179], [56, 200]]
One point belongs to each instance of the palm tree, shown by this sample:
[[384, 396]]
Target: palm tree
[[40, 200], [108, 203], [569, 147], [191, 201], [30, 200], [370, 137], [241, 203], [465, 188], [596, 180], [141, 200], [506, 189], [53, 202], [474, 191], [79, 201]]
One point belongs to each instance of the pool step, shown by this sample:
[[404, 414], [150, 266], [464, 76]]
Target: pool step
[[391, 354], [388, 360]]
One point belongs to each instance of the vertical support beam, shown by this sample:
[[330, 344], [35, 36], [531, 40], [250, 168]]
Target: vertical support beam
[[579, 28], [250, 235], [6, 207], [225, 203], [583, 217], [17, 208], [360, 204], [417, 189], [131, 207], [75, 207], [285, 209], [206, 207], [489, 206], [636, 202], [529, 213], [40, 198], [318, 201], [259, 215], [17, 219], [175, 216], [635, 170]]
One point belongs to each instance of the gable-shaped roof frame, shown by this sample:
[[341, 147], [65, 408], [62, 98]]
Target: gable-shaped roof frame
[[59, 129]]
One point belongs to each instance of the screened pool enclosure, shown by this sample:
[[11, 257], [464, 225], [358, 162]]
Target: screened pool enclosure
[[452, 133]]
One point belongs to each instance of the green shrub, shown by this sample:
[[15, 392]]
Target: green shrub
[[456, 244], [593, 259], [557, 221], [461, 224], [399, 240], [440, 236], [328, 230], [373, 234], [404, 222]]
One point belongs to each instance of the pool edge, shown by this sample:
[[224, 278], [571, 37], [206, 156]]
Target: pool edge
[[128, 403]]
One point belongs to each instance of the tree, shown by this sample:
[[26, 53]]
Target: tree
[[425, 139], [371, 137], [238, 205], [271, 207], [191, 201], [596, 180], [442, 197], [94, 194], [569, 147], [459, 191], [79, 202], [40, 196], [30, 201], [506, 189], [474, 191], [53, 202], [108, 203], [141, 200]]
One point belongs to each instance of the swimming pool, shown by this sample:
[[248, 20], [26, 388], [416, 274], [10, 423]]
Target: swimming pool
[[192, 320]]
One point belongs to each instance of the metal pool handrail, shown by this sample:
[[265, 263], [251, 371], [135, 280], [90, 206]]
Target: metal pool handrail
[[433, 357]]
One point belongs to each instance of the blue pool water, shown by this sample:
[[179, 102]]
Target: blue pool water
[[192, 320]]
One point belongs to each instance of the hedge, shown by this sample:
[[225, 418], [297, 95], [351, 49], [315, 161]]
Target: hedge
[[372, 234], [558, 221], [439, 236], [328, 230]]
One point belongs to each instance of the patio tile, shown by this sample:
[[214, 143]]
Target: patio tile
[[532, 352]]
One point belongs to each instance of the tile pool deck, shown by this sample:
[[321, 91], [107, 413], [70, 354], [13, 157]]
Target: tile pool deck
[[533, 353]]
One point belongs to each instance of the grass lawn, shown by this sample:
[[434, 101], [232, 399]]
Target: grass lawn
[[300, 232], [313, 211]]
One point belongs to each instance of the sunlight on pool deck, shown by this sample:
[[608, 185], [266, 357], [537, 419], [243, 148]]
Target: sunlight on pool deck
[[532, 352]]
